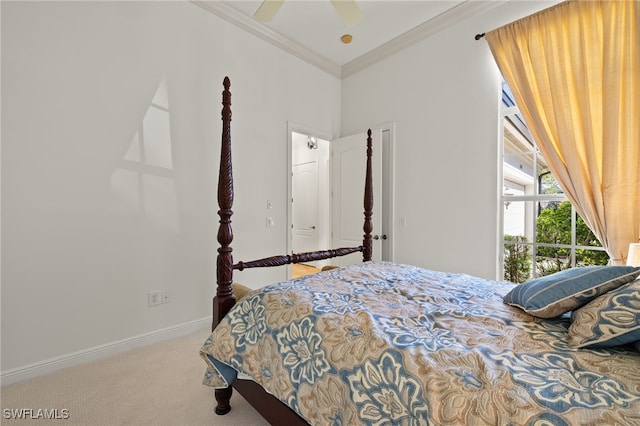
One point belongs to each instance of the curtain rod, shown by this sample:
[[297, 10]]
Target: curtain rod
[[561, 3]]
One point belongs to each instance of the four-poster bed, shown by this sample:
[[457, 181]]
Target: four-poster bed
[[386, 343]]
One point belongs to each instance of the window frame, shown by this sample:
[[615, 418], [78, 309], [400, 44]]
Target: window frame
[[509, 109]]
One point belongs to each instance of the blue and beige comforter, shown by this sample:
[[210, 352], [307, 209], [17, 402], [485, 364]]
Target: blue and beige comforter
[[382, 343]]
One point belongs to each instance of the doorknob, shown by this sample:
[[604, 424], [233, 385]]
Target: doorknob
[[313, 227], [380, 237], [384, 236]]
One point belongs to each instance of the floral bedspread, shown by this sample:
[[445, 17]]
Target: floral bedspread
[[383, 343]]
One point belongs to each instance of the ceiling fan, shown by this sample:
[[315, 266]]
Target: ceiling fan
[[348, 10]]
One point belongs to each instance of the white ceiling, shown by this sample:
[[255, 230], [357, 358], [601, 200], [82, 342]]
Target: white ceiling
[[311, 29], [316, 25]]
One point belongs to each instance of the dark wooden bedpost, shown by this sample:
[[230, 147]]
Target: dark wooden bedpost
[[367, 241], [224, 299]]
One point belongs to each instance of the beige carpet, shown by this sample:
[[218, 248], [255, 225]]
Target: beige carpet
[[160, 384]]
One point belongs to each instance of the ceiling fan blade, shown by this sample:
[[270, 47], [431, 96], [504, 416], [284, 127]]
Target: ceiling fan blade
[[268, 10], [348, 11]]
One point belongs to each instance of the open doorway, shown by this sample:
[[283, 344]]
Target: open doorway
[[311, 189], [310, 195]]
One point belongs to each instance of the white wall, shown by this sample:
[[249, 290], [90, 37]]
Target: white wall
[[111, 135], [443, 95]]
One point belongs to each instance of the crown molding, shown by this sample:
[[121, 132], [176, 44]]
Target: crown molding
[[231, 15], [436, 24], [451, 16]]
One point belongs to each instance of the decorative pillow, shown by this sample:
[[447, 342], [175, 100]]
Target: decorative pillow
[[240, 291], [610, 320], [564, 291]]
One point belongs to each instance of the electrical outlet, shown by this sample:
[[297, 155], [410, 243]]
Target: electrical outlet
[[165, 297], [154, 298]]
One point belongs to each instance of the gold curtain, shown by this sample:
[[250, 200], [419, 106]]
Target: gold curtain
[[574, 70]]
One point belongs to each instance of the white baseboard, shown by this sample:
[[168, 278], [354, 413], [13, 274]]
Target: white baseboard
[[92, 354]]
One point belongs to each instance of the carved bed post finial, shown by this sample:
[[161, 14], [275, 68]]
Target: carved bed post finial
[[224, 300], [367, 241]]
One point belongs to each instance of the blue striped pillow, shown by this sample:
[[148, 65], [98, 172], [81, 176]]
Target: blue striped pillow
[[564, 291], [610, 320]]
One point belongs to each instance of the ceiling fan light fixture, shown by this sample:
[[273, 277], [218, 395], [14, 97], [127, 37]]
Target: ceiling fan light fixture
[[346, 38]]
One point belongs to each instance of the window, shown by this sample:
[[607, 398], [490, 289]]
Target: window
[[542, 233]]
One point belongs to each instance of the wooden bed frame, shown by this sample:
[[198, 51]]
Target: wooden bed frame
[[272, 409]]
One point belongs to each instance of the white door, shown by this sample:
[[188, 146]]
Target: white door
[[349, 156], [305, 207]]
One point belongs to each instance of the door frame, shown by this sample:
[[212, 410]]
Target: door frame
[[388, 188]]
